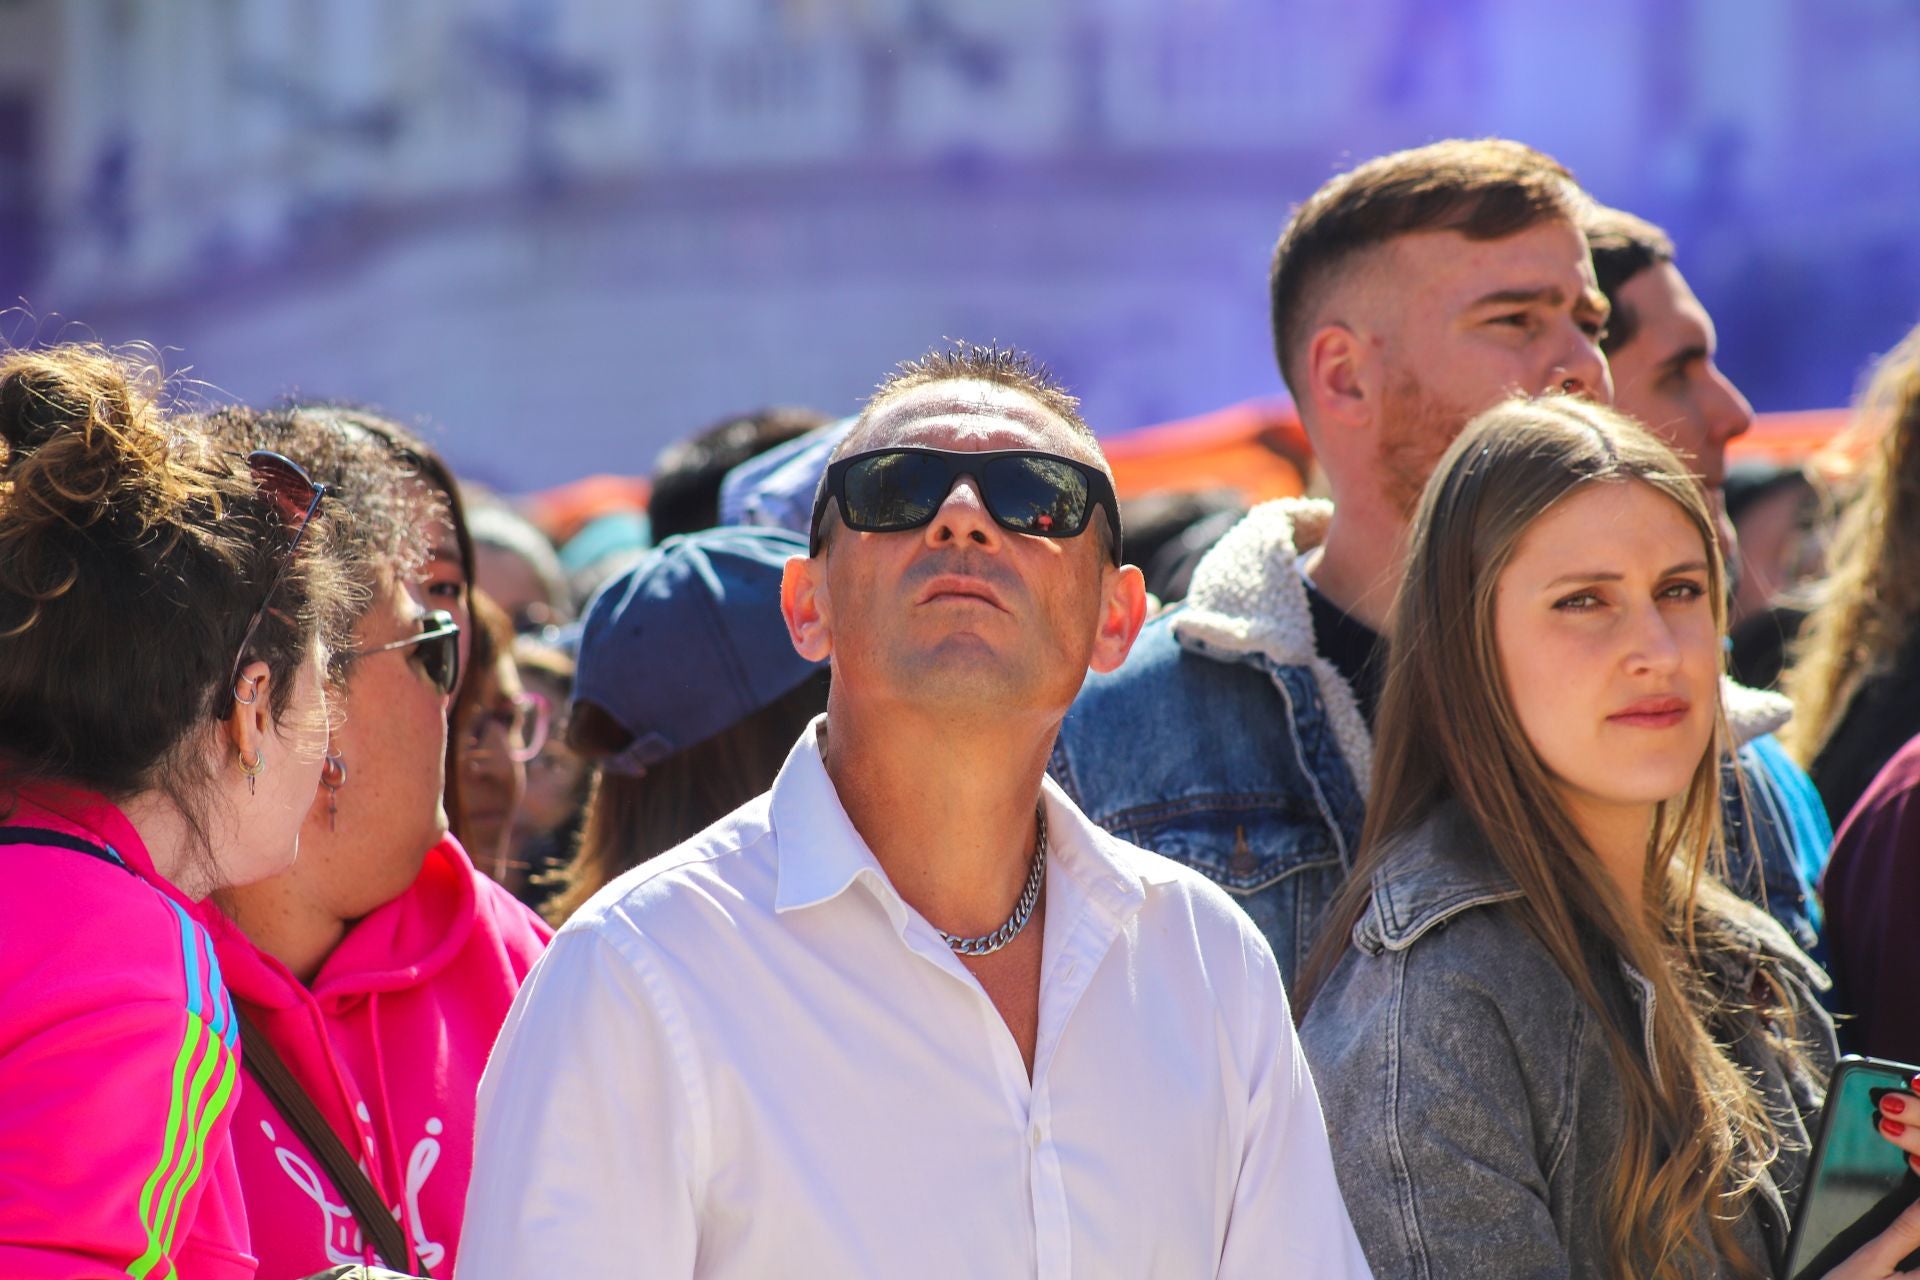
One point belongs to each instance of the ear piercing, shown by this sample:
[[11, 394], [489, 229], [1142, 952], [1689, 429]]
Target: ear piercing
[[253, 770]]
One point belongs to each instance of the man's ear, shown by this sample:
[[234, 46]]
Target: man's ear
[[1123, 610], [1341, 368], [804, 604]]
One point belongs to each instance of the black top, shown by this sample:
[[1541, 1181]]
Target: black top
[[1356, 650], [1757, 645], [1883, 713]]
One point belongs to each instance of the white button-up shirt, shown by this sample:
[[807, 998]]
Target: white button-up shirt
[[749, 1057]]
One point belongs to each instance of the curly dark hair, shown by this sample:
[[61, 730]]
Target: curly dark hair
[[135, 549]]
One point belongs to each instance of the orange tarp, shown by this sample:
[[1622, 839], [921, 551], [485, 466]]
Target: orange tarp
[[1259, 448]]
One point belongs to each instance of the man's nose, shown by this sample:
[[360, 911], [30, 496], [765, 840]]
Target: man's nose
[[1729, 413], [963, 517], [1582, 370]]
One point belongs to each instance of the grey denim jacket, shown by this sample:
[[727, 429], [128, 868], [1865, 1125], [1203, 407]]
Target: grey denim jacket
[[1469, 1096]]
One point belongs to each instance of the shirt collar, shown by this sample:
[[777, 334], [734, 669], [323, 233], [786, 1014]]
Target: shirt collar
[[821, 853]]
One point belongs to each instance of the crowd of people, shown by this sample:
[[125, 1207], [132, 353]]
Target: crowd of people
[[1436, 876]]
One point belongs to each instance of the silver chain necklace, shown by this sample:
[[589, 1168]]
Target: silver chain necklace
[[988, 943]]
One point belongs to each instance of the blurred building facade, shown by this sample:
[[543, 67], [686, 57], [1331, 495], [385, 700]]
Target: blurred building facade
[[571, 230]]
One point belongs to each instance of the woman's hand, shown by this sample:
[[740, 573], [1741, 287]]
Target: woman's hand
[[1900, 1122], [1879, 1258]]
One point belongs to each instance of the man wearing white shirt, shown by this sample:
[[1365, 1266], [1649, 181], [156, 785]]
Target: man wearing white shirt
[[910, 1013]]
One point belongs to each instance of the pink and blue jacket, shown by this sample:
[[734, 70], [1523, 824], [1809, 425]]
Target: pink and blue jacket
[[389, 1042], [119, 1059]]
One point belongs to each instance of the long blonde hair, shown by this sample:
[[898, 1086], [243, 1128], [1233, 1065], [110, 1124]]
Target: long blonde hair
[[1871, 600], [1695, 1136]]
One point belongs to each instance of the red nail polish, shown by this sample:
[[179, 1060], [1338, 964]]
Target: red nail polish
[[1892, 1128], [1892, 1105]]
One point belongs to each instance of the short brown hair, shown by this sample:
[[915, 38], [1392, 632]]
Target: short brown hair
[[1623, 246], [1485, 189]]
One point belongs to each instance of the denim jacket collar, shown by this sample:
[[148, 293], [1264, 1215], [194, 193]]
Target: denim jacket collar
[[1434, 872], [1248, 603]]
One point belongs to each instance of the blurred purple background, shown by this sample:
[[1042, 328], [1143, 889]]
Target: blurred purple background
[[564, 232]]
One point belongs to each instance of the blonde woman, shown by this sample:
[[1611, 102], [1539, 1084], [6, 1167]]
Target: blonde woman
[[1550, 1042], [1855, 674]]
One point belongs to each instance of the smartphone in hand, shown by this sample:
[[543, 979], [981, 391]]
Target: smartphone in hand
[[1857, 1182]]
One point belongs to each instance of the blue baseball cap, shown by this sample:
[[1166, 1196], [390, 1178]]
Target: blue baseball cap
[[775, 489], [690, 641]]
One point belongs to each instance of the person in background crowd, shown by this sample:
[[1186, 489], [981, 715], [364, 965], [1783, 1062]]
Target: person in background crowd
[[964, 1031], [1778, 522], [160, 744], [688, 697], [1871, 881], [1551, 1041], [378, 968], [516, 565], [546, 826], [774, 489], [602, 550], [1169, 534], [1660, 344], [502, 728], [1407, 295], [1774, 510], [1855, 673], [688, 474]]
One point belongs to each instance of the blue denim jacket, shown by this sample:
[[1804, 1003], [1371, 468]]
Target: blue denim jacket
[[1228, 743]]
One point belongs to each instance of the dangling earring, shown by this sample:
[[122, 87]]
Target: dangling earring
[[333, 776], [254, 770]]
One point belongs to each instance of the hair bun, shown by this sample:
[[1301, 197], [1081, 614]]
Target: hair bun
[[85, 436], [90, 455], [38, 400]]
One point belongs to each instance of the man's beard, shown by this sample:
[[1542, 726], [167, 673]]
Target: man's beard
[[1415, 429]]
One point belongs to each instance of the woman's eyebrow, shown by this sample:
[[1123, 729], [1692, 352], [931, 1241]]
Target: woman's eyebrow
[[1611, 575]]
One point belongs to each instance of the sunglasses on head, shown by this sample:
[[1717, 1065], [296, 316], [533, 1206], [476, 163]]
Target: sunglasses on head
[[295, 497], [1026, 491], [436, 649]]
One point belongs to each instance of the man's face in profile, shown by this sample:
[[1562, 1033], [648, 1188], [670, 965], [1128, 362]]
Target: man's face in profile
[[1665, 375]]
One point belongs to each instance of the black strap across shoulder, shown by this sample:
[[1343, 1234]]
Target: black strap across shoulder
[[266, 1066], [62, 840]]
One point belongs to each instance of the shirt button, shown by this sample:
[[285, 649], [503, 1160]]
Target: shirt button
[[1035, 1136]]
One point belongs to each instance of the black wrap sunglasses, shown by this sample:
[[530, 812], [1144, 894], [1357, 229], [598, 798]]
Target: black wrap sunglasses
[[1026, 491], [436, 648]]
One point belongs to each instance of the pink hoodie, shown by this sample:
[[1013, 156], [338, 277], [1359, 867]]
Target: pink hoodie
[[118, 1060], [389, 1043]]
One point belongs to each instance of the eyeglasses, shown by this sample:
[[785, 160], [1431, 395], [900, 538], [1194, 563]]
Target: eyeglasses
[[436, 649], [524, 719], [1026, 491], [295, 496]]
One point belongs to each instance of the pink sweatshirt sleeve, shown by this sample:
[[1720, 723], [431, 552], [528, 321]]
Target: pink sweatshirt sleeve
[[118, 1063]]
